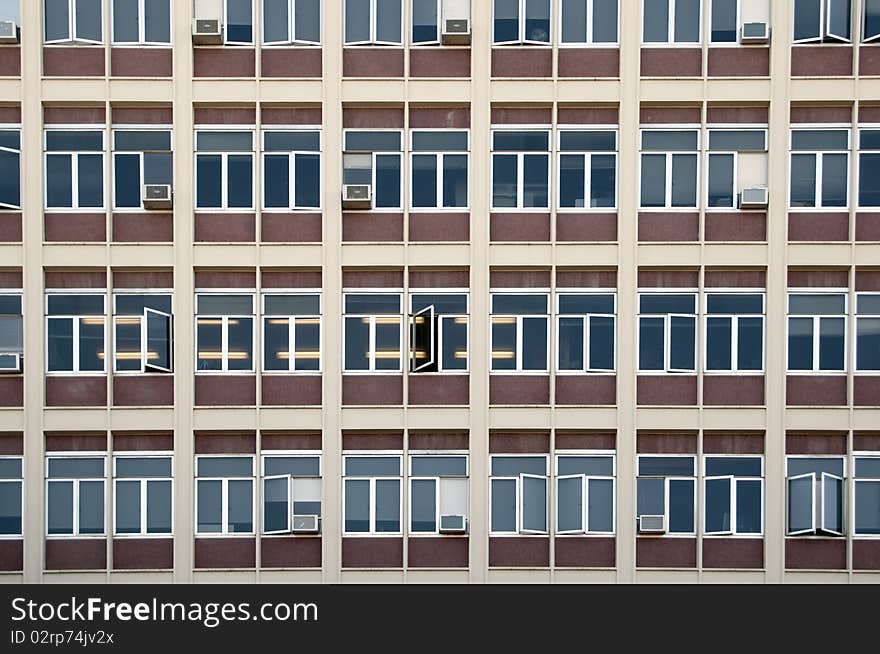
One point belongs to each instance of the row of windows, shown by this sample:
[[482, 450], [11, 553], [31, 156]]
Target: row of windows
[[381, 22], [585, 171], [666, 494], [432, 333]]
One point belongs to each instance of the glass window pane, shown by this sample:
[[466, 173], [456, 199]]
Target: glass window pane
[[239, 22], [574, 21], [128, 140], [602, 180], [839, 12], [506, 21], [504, 180], [209, 184], [60, 507], [673, 466], [534, 503], [721, 180], [365, 303], [455, 180], [307, 18], [803, 465], [744, 466], [357, 21], [240, 335], [387, 180], [91, 507], [357, 505], [388, 344], [800, 343], [224, 304], [305, 141], [819, 304], [800, 504], [572, 182], [224, 141], [128, 507], [535, 180], [718, 505], [865, 467], [130, 466], [734, 303], [509, 466], [74, 140], [57, 19], [225, 466], [372, 466], [276, 333], [11, 468], [750, 344], [292, 305], [669, 140], [570, 499], [869, 178], [682, 335], [834, 180], [684, 180], [297, 466], [241, 508], [59, 180], [513, 141], [60, 344], [601, 343], [125, 21], [158, 507], [10, 179], [76, 467], [88, 20], [571, 344], [739, 140], [90, 180], [439, 141], [307, 183], [807, 19], [357, 344], [819, 139], [587, 140], [584, 304], [503, 505], [605, 21], [308, 344], [868, 507], [91, 344], [519, 304], [831, 343], [159, 341], [276, 21], [650, 496], [127, 344], [687, 21], [655, 26], [832, 502], [600, 509], [372, 141], [424, 180], [424, 505], [276, 504], [868, 344], [157, 24], [537, 20], [503, 343], [127, 180], [651, 344], [534, 342], [210, 506], [276, 185], [209, 337], [681, 506], [653, 185], [424, 21], [454, 344], [10, 508], [724, 21], [748, 506], [388, 20], [585, 465], [719, 343], [439, 466], [387, 505], [240, 181]]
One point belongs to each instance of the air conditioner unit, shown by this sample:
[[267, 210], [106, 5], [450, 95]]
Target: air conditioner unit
[[456, 31], [207, 31], [157, 196], [10, 362], [357, 196], [755, 197], [652, 524], [453, 524], [305, 524], [754, 33], [8, 31]]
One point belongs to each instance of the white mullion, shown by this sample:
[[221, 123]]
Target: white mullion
[[291, 343], [519, 343], [74, 180], [668, 173], [585, 498], [372, 344], [441, 161], [75, 344], [71, 19], [291, 174], [142, 326], [588, 178], [372, 505], [143, 484], [224, 343], [75, 507], [224, 180], [817, 333], [291, 22], [374, 17], [142, 21], [224, 506], [667, 342], [586, 323], [520, 179], [733, 485], [734, 343]]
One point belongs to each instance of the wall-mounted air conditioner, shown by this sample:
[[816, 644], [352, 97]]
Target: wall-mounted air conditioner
[[8, 31], [207, 31], [157, 196], [357, 196], [755, 197], [758, 32], [10, 363], [453, 524], [305, 524], [652, 524]]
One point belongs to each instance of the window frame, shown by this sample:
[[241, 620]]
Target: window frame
[[857, 317], [224, 168], [143, 329], [401, 158], [410, 478], [858, 152], [224, 498], [817, 482], [586, 322], [734, 330], [738, 26], [293, 206], [816, 318], [140, 154], [372, 479], [585, 524], [374, 18], [590, 29], [291, 28], [402, 339], [20, 482], [439, 157], [286, 454], [409, 35], [733, 532], [825, 36], [668, 171], [74, 168], [518, 480], [75, 339], [438, 336], [737, 155], [520, 168], [863, 22], [224, 347], [13, 127], [518, 319], [667, 330], [588, 159], [819, 166], [75, 517], [856, 455], [694, 479], [142, 30], [521, 24], [226, 41], [150, 454], [291, 331], [71, 26], [670, 41]]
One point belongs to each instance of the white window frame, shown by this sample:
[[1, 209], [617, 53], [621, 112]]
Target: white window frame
[[521, 19], [224, 169], [816, 318], [408, 5], [142, 29], [141, 319], [667, 331], [20, 482], [254, 27], [76, 325], [518, 481], [374, 18], [857, 318], [670, 29], [13, 128], [291, 155], [818, 163], [291, 331], [669, 154], [439, 333], [857, 172], [590, 42], [140, 154], [285, 454], [439, 157], [817, 480], [588, 160], [586, 320], [825, 35], [372, 319], [75, 500], [518, 319], [224, 348], [402, 183], [739, 23], [373, 479], [143, 488], [224, 498], [437, 483], [855, 490], [585, 493], [71, 26], [733, 531], [864, 23], [291, 28], [520, 168], [694, 479], [74, 168], [734, 327]]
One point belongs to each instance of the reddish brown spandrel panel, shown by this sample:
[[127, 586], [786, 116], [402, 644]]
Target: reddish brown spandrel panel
[[142, 227], [666, 552], [668, 227], [75, 227], [225, 228], [735, 278], [586, 278], [298, 115], [586, 390], [815, 554], [584, 440], [668, 278], [133, 441], [584, 552], [76, 554], [820, 113], [10, 62], [76, 391], [868, 279], [818, 278], [368, 226], [10, 227], [143, 278], [738, 62], [666, 443], [588, 62], [143, 390], [818, 227], [735, 226], [534, 227], [519, 115], [290, 62], [733, 442], [60, 278], [291, 227], [221, 553], [522, 442], [519, 552], [229, 278], [372, 62], [440, 62], [142, 115], [75, 441], [225, 390], [439, 227], [437, 552], [671, 62], [434, 390], [372, 278], [223, 62], [815, 390], [372, 390], [439, 278], [519, 389], [866, 391], [733, 390], [141, 62], [869, 60], [733, 553], [224, 115], [143, 553], [11, 555], [818, 442], [390, 117], [586, 227], [437, 440], [290, 552], [11, 391], [291, 390], [290, 440], [219, 442], [73, 62], [372, 552], [522, 62], [439, 117], [728, 114], [666, 390], [821, 61], [368, 440], [523, 278]]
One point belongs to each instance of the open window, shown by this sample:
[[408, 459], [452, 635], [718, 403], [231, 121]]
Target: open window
[[158, 341], [533, 504], [11, 334], [667, 333], [291, 494], [518, 495], [815, 496], [142, 333], [423, 351], [438, 494], [665, 495], [871, 21], [817, 21]]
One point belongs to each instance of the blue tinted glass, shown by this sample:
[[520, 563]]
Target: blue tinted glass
[[535, 180], [443, 304], [140, 141], [868, 344], [239, 22], [387, 505], [868, 467], [372, 303], [10, 178], [600, 505], [651, 344], [803, 465], [134, 305], [423, 505], [653, 185], [292, 141], [506, 17], [534, 341], [718, 505], [721, 180], [800, 343], [819, 139], [12, 139], [570, 504], [357, 505], [127, 182], [74, 141], [128, 507], [209, 184], [682, 336], [587, 141], [594, 466], [519, 304], [10, 508], [684, 180], [512, 466], [735, 304], [90, 178], [724, 21], [750, 350], [521, 141], [748, 506], [537, 20], [307, 184], [681, 506], [504, 180], [672, 466], [276, 169], [803, 180], [240, 181], [834, 180], [650, 496], [439, 141], [869, 180], [158, 168], [387, 180], [738, 466], [868, 507], [831, 343], [76, 305], [372, 141], [373, 466], [455, 180], [59, 181], [602, 180], [667, 303], [224, 466], [503, 505], [601, 343], [572, 186], [719, 343], [143, 467], [583, 304], [439, 466], [571, 344], [297, 466], [424, 180]]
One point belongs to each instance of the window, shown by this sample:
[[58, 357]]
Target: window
[[737, 160], [667, 332], [521, 21], [518, 490], [438, 493], [142, 333], [373, 332], [142, 495], [669, 168], [291, 22], [585, 332], [819, 168], [10, 169], [438, 332], [75, 333], [292, 170], [724, 21], [867, 491], [291, 324], [587, 169], [734, 332], [520, 169], [671, 21], [734, 495], [74, 169], [291, 487], [816, 332], [139, 157], [224, 170], [584, 494], [588, 21], [869, 166], [238, 22], [11, 487], [145, 22], [520, 334], [373, 158], [426, 16], [439, 162], [11, 333], [871, 21], [224, 333], [666, 488], [868, 332], [815, 495], [224, 495], [817, 21], [372, 497], [80, 21], [373, 22], [75, 496]]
